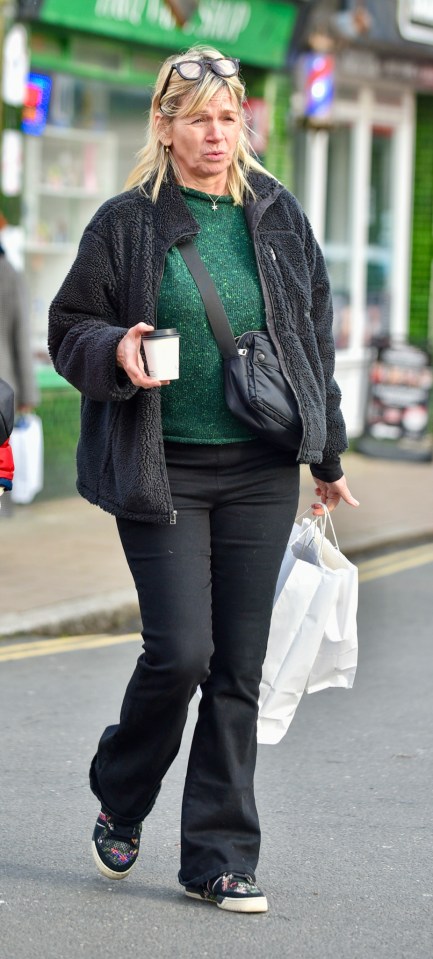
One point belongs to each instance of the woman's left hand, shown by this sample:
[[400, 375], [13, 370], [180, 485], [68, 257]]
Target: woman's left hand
[[331, 494]]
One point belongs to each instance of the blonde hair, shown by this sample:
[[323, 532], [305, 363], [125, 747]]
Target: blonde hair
[[182, 99]]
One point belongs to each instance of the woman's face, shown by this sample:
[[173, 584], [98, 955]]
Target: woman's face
[[202, 145]]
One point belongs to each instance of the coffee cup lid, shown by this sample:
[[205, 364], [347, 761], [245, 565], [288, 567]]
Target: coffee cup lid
[[162, 332]]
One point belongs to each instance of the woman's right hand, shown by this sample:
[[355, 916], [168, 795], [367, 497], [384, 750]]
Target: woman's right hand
[[129, 357]]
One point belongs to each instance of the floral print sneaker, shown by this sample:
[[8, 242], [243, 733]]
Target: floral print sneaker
[[115, 847], [235, 893]]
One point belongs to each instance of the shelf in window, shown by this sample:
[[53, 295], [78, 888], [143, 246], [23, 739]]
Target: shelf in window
[[74, 192], [71, 134], [38, 246]]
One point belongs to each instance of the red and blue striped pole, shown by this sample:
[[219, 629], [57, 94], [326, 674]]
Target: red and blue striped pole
[[319, 84]]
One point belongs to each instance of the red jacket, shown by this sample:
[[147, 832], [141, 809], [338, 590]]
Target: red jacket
[[6, 465]]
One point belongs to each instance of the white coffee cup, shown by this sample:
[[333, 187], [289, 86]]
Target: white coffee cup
[[161, 348]]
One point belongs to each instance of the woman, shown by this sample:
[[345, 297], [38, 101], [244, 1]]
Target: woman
[[204, 509]]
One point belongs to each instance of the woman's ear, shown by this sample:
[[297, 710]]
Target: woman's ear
[[162, 129]]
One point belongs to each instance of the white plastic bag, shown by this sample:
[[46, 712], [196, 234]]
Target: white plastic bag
[[28, 449], [312, 641]]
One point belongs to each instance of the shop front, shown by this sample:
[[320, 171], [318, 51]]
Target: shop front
[[355, 165]]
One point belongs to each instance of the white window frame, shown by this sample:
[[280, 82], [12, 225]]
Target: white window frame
[[362, 114]]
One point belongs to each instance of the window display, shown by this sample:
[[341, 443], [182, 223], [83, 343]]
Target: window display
[[79, 159]]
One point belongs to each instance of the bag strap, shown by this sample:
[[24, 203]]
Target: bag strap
[[216, 313]]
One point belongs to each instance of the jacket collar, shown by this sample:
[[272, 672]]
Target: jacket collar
[[172, 218], [266, 190], [174, 222]]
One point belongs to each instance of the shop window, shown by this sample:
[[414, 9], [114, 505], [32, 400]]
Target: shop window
[[128, 111], [338, 230], [380, 226], [94, 105], [97, 54], [388, 97], [82, 156], [347, 93]]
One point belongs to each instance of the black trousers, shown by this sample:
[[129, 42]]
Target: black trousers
[[205, 588]]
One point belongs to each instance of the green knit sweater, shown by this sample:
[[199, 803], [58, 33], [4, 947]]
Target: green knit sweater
[[194, 409]]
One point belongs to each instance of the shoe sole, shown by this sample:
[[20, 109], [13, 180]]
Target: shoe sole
[[105, 870], [258, 904]]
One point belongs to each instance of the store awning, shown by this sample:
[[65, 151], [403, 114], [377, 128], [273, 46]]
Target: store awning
[[257, 32]]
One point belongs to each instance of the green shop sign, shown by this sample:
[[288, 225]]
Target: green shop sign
[[255, 31]]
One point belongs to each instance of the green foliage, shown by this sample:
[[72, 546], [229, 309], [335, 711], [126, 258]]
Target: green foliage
[[59, 410], [279, 154], [422, 235]]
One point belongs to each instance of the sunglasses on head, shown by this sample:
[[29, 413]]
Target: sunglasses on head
[[196, 69]]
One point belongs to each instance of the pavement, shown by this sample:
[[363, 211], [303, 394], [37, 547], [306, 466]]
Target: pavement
[[64, 571]]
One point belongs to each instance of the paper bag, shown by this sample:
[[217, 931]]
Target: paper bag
[[298, 622], [337, 658], [312, 641]]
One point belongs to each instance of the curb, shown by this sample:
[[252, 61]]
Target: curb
[[96, 613], [107, 611]]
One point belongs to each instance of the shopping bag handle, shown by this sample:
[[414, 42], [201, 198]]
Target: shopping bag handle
[[320, 523]]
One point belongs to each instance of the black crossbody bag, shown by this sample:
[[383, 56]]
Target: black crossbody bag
[[256, 390]]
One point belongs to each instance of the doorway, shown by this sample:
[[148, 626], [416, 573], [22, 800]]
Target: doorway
[[354, 181]]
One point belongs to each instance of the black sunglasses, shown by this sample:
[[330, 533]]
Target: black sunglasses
[[196, 69]]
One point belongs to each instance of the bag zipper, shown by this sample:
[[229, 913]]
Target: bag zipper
[[241, 351]]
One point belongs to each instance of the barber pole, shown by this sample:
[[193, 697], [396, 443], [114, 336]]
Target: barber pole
[[319, 85]]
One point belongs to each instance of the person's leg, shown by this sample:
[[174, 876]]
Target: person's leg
[[250, 528], [171, 569]]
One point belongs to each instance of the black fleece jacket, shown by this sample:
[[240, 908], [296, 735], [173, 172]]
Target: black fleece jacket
[[114, 284]]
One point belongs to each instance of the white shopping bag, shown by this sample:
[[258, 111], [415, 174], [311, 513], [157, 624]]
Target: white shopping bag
[[312, 641], [299, 616], [337, 658], [28, 449]]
